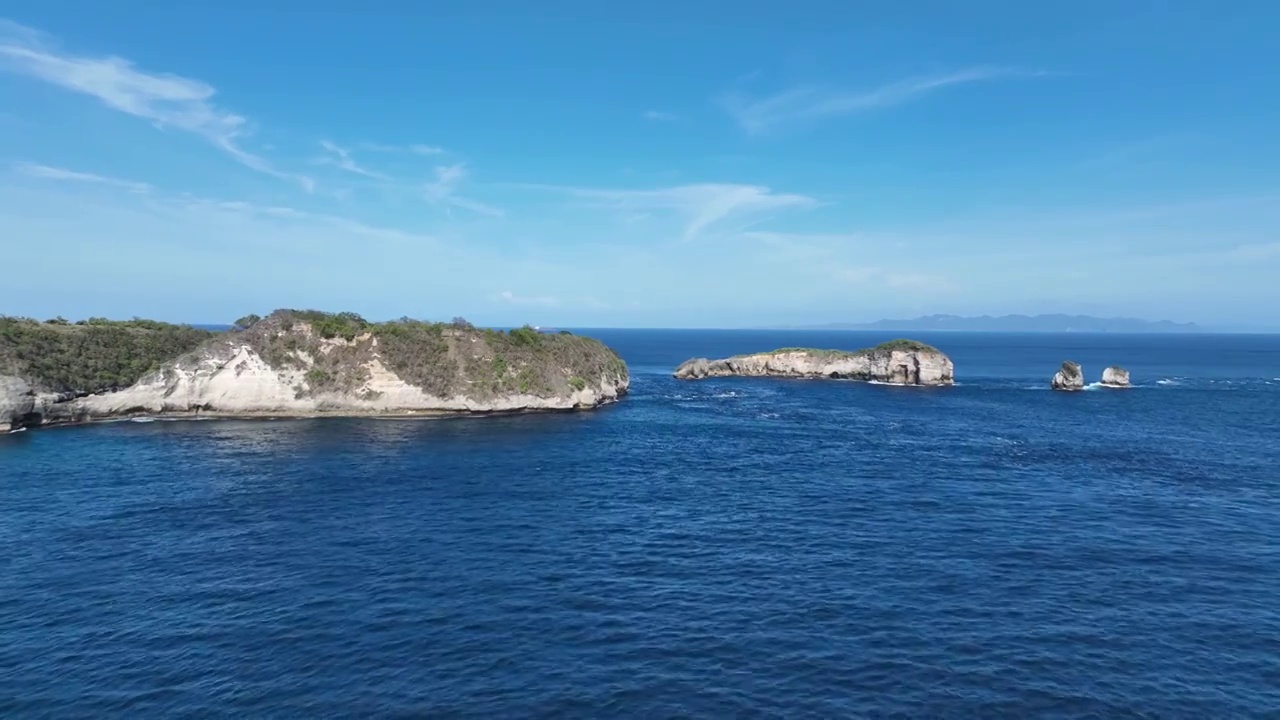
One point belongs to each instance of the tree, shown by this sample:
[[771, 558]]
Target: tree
[[461, 323], [247, 321]]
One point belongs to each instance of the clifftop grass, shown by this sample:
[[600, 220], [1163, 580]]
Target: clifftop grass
[[332, 351], [91, 355], [900, 344], [443, 359]]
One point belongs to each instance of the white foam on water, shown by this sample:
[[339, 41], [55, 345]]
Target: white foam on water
[[1168, 381], [142, 419]]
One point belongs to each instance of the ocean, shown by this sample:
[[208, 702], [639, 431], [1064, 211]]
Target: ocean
[[724, 548]]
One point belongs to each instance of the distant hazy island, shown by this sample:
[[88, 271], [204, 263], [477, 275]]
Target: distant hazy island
[[1016, 323], [293, 363], [897, 362]]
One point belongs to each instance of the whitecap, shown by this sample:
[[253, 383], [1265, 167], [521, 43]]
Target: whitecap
[[142, 419], [1168, 381]]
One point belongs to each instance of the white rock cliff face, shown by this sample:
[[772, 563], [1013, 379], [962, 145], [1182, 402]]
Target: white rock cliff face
[[1116, 377], [1070, 377], [229, 377], [897, 367], [16, 402], [245, 384]]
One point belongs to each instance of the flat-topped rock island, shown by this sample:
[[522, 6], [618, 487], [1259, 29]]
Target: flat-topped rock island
[[898, 362]]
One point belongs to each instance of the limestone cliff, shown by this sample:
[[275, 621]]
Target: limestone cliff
[[1069, 377], [17, 401], [305, 363], [900, 362], [1115, 376]]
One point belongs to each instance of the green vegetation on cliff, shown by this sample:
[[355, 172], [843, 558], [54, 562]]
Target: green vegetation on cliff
[[331, 353], [900, 344], [443, 359], [90, 355]]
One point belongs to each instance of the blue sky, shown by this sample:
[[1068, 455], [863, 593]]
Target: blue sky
[[652, 164]]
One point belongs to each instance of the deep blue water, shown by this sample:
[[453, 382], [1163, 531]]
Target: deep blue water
[[727, 548]]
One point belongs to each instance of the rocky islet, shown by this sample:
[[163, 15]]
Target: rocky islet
[[898, 362], [1070, 377]]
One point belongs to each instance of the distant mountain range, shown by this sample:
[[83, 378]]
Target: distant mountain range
[[1019, 323]]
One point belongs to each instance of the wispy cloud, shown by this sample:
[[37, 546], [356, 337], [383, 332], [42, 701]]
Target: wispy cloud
[[507, 296], [660, 116], [414, 149], [759, 115], [166, 100], [578, 303], [443, 191], [826, 255], [340, 157], [60, 174], [1135, 152], [159, 198], [701, 205]]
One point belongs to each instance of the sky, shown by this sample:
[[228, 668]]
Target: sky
[[658, 164]]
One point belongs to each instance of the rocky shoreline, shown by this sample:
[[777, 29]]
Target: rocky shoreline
[[310, 364], [305, 364]]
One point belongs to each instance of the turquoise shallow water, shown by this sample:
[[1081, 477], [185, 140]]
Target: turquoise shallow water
[[726, 548]]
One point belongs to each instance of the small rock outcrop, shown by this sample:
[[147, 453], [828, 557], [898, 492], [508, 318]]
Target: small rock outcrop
[[1070, 377], [900, 362], [1115, 377], [17, 401], [307, 363]]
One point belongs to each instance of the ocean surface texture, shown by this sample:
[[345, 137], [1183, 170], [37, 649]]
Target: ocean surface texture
[[724, 548]]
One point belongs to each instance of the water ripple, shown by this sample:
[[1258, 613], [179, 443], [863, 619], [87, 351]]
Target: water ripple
[[717, 549]]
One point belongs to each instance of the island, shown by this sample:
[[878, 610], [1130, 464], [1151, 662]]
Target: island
[[1017, 324], [898, 362], [294, 363]]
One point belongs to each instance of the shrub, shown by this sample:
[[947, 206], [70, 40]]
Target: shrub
[[525, 336], [443, 360], [91, 355]]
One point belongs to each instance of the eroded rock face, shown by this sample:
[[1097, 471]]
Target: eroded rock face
[[1115, 376], [1069, 378], [901, 363], [283, 367], [17, 401]]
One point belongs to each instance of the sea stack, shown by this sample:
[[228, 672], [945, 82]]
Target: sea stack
[[1115, 377], [899, 362], [1070, 377]]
